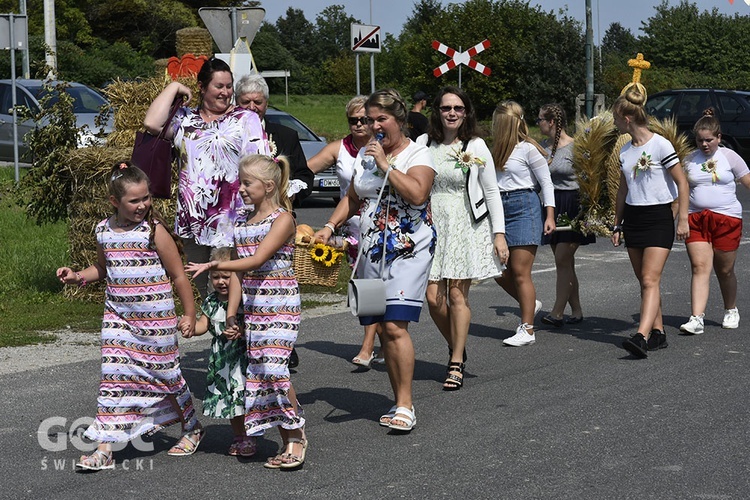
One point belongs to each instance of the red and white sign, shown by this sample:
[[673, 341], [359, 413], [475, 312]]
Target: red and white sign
[[365, 38], [461, 58]]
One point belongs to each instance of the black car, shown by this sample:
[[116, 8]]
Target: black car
[[687, 105]]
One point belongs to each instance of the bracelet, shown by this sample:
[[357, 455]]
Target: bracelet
[[617, 228], [330, 225], [81, 280]]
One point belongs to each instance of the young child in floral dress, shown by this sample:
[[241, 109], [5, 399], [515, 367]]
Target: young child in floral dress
[[264, 240], [225, 378]]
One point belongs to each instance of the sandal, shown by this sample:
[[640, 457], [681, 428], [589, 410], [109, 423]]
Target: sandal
[[234, 448], [247, 447], [99, 460], [274, 462], [291, 461], [551, 320], [385, 420], [188, 444], [405, 415], [364, 362], [450, 354], [455, 379]]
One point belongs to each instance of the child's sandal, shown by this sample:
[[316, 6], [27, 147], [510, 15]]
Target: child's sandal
[[188, 444], [234, 448], [99, 460], [247, 447]]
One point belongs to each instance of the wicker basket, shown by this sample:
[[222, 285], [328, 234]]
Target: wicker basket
[[312, 272]]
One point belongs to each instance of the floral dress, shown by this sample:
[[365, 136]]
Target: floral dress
[[464, 249], [410, 238], [208, 198], [225, 378], [271, 299]]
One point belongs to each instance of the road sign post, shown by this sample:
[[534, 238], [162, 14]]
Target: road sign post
[[14, 36]]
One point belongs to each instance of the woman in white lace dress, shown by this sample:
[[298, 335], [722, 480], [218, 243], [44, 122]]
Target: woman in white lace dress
[[467, 249]]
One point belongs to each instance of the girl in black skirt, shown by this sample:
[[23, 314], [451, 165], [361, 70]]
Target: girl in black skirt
[[552, 122], [651, 179]]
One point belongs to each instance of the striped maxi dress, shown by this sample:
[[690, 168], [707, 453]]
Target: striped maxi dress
[[140, 360], [272, 314]]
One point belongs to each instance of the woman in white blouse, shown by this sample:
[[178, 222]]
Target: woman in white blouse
[[715, 221], [520, 167]]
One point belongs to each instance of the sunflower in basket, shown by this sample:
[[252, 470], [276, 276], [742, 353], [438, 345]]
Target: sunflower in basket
[[325, 254]]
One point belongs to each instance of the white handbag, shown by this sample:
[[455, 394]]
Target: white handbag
[[366, 296]]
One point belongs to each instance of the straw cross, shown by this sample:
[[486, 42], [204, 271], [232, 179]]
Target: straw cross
[[638, 64]]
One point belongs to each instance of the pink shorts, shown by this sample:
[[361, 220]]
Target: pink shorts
[[722, 231]]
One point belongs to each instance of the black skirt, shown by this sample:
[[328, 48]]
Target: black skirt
[[648, 226]]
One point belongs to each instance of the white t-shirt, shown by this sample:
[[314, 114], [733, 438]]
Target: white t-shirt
[[715, 192], [646, 170], [526, 168]]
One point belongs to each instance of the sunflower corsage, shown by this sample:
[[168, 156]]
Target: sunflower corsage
[[325, 254], [642, 165], [465, 159], [710, 167]]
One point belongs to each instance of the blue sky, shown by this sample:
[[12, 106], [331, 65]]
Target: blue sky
[[390, 15]]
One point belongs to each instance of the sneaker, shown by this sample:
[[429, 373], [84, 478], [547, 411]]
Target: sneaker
[[636, 345], [521, 338], [537, 306], [694, 325], [731, 319], [657, 340]]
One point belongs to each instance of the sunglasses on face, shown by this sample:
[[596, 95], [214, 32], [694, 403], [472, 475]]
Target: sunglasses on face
[[457, 109], [353, 120]]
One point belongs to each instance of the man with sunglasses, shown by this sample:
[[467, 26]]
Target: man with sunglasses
[[416, 122]]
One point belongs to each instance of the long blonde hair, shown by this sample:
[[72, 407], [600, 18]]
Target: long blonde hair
[[508, 129], [266, 169]]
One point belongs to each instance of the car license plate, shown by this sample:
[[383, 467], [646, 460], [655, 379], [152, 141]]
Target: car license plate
[[326, 183]]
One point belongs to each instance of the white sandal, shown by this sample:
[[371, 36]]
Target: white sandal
[[385, 420], [99, 460], [403, 414]]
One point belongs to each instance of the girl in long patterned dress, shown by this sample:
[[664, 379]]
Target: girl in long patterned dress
[[142, 389], [264, 240], [227, 363]]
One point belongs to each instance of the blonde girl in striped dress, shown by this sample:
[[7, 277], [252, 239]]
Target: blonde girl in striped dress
[[142, 389], [264, 241]]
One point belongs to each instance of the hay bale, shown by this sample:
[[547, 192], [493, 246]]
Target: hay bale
[[160, 67], [194, 40], [90, 169]]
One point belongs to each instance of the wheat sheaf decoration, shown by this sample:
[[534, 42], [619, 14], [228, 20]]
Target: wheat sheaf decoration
[[593, 145]]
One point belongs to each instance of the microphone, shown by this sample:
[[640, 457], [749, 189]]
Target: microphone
[[368, 162]]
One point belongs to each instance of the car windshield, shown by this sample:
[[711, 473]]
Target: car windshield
[[85, 100], [304, 133]]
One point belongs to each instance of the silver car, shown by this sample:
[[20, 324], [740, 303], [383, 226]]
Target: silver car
[[326, 183], [87, 104]]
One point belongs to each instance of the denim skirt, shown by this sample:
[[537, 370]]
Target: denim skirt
[[523, 217]]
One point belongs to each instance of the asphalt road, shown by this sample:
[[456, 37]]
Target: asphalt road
[[573, 416]]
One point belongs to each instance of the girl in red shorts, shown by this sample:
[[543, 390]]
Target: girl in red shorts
[[715, 221]]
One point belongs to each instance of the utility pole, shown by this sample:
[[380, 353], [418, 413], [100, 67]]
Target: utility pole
[[50, 37], [589, 62], [25, 55]]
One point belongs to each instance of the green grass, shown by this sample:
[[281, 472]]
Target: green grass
[[325, 114], [30, 298]]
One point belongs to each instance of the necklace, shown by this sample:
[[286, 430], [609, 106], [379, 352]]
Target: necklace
[[121, 225]]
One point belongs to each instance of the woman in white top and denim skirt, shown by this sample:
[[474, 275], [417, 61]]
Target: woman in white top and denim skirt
[[520, 167]]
